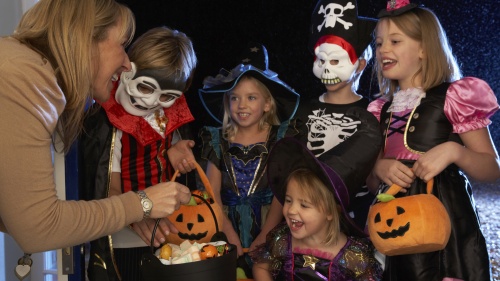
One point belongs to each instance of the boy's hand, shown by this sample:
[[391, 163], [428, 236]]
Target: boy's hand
[[181, 156], [145, 227]]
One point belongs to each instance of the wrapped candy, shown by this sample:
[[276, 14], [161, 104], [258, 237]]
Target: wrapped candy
[[187, 252]]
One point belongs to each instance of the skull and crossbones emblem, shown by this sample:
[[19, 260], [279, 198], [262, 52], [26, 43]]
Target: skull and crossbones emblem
[[333, 13]]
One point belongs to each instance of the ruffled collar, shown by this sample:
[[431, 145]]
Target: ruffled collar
[[406, 99]]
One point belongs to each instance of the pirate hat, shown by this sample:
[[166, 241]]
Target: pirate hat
[[288, 155], [254, 63], [339, 19], [396, 8]]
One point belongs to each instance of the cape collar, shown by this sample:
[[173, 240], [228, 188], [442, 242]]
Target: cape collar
[[176, 115]]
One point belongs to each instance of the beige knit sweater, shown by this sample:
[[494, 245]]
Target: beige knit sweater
[[30, 105]]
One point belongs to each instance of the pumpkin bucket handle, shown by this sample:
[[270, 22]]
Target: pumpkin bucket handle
[[203, 177], [394, 189]]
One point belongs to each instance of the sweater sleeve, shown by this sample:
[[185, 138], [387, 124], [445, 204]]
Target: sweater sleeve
[[30, 211]]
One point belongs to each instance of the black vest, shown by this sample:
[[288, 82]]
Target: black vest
[[427, 125]]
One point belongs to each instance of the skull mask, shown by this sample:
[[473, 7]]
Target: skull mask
[[143, 92], [333, 64]]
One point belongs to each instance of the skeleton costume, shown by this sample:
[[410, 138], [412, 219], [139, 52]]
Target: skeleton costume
[[130, 134], [245, 193], [355, 261], [345, 136], [413, 122]]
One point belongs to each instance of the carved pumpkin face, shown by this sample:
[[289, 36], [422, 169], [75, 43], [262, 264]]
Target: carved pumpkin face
[[411, 224], [195, 223]]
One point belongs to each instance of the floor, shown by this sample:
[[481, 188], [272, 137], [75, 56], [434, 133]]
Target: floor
[[487, 196]]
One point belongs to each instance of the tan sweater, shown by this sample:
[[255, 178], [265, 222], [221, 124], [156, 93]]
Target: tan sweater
[[30, 105]]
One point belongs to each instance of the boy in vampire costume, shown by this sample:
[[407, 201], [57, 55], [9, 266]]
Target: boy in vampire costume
[[135, 140], [337, 128]]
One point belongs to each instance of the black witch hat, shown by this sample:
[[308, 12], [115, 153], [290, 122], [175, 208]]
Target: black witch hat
[[396, 8], [254, 63]]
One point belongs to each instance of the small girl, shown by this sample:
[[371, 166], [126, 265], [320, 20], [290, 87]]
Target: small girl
[[436, 126], [319, 241], [237, 152]]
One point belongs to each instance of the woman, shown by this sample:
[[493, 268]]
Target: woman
[[63, 53]]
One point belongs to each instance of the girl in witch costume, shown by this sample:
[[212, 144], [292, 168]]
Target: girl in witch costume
[[436, 126], [257, 107], [129, 138], [319, 241], [336, 126]]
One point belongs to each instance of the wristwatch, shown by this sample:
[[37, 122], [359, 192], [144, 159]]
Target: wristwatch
[[146, 203]]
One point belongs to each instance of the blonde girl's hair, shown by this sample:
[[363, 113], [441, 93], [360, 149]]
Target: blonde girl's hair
[[165, 49], [321, 196], [66, 33], [438, 64], [268, 118]]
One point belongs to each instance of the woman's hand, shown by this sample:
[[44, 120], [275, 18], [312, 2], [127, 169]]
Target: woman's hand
[[167, 197]]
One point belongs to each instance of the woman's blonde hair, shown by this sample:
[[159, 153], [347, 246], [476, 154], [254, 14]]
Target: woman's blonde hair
[[268, 118], [438, 63], [66, 32], [165, 49], [320, 196]]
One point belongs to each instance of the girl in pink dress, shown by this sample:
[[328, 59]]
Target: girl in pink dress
[[436, 126]]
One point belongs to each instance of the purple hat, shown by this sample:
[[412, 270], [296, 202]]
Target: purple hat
[[288, 155], [396, 8]]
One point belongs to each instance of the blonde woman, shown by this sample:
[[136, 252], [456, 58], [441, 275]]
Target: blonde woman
[[62, 54]]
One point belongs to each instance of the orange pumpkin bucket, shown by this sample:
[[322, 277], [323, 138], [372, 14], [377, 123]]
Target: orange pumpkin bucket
[[195, 222], [408, 225]]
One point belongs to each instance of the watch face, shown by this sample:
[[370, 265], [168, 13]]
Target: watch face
[[147, 204]]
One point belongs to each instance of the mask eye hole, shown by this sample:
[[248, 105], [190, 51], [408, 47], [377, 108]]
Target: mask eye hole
[[167, 97], [334, 62], [144, 89]]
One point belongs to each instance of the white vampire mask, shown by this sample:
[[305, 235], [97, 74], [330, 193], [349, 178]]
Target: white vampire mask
[[332, 64], [143, 92]]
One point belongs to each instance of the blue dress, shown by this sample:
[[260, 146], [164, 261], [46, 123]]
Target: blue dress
[[244, 187]]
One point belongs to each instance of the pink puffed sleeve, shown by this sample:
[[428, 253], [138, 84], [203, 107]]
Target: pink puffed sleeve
[[375, 107], [469, 104]]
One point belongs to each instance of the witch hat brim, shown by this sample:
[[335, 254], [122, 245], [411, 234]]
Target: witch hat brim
[[288, 155], [287, 100]]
